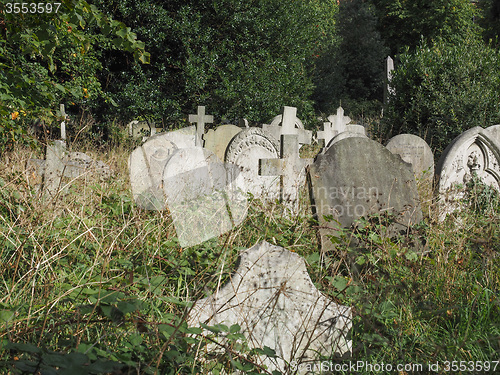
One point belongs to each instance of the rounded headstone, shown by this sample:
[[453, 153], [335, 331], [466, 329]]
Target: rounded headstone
[[341, 136], [245, 151], [218, 139], [413, 150]]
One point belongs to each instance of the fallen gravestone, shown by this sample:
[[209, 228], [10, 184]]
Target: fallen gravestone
[[272, 298], [413, 150], [245, 150], [475, 152], [147, 162], [217, 140], [357, 177], [203, 195]]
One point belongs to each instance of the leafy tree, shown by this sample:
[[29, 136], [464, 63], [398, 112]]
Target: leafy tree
[[352, 71], [490, 20], [443, 89], [240, 58], [404, 23], [48, 56]]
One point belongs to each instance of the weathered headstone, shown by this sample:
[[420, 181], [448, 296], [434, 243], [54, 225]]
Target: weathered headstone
[[147, 162], [290, 124], [290, 167], [357, 177], [339, 121], [327, 133], [54, 167], [245, 151], [341, 136], [200, 119], [217, 140], [203, 194], [389, 68], [474, 152], [413, 150], [272, 298]]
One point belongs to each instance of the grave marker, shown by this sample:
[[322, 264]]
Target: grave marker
[[272, 298], [200, 119], [290, 124], [217, 140], [413, 150], [339, 121]]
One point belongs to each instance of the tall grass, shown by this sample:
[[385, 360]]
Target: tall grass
[[90, 281]]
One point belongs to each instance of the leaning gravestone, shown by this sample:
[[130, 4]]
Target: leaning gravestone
[[272, 298], [147, 162], [217, 140], [357, 177], [474, 152], [203, 194], [413, 150], [245, 151]]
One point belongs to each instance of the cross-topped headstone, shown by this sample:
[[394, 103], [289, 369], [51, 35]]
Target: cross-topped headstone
[[290, 167], [339, 121], [327, 133], [289, 121], [200, 119]]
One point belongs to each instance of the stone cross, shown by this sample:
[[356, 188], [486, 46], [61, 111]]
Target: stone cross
[[389, 67], [290, 167], [63, 123], [288, 120], [201, 119], [327, 133], [339, 121]]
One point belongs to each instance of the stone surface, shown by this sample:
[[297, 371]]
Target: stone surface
[[290, 124], [389, 69], [341, 136], [339, 121], [245, 151], [476, 151], [147, 162], [413, 150], [200, 119], [272, 298], [204, 195], [357, 177], [217, 140], [54, 166]]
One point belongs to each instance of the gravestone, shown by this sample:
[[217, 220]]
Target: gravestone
[[389, 69], [141, 129], [272, 298], [147, 162], [339, 121], [327, 133], [493, 132], [203, 194], [54, 167], [474, 152], [341, 136], [290, 124], [413, 150], [245, 150], [200, 119], [289, 167], [217, 140], [357, 177]]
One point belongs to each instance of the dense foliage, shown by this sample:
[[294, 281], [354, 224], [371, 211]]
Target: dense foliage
[[443, 89], [239, 58], [48, 57]]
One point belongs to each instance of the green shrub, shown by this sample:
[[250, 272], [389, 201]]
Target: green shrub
[[443, 89]]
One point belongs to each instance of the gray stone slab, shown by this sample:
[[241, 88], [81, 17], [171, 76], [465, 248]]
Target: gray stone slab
[[200, 119], [245, 151], [357, 177], [217, 140], [147, 162], [474, 152], [54, 166], [413, 150], [272, 298], [203, 194], [341, 136]]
